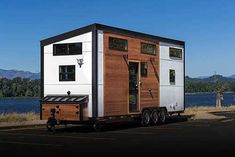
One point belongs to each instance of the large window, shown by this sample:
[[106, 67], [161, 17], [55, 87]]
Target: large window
[[148, 48], [118, 44], [67, 73], [175, 53], [172, 76], [144, 69], [67, 49]]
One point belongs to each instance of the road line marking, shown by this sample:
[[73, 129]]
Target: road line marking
[[75, 137], [28, 143]]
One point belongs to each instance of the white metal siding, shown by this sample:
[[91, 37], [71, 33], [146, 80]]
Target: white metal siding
[[100, 75], [171, 96], [83, 75]]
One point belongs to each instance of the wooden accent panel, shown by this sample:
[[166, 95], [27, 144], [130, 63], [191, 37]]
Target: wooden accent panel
[[64, 111], [115, 91], [46, 110], [69, 112], [116, 76]]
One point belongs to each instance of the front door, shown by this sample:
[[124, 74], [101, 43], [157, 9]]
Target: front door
[[133, 86]]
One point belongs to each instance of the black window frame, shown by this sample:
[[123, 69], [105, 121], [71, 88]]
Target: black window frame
[[67, 48], [148, 44], [64, 73], [118, 48], [175, 57], [142, 69], [170, 77]]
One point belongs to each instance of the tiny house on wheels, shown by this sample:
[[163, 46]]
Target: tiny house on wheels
[[99, 74]]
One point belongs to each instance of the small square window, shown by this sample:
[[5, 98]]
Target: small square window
[[144, 69], [175, 53], [67, 73], [172, 76], [147, 48], [118, 44]]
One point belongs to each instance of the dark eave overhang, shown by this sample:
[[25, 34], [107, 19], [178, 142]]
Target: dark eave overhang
[[110, 29]]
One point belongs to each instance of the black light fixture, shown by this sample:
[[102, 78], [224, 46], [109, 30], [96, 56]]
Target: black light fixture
[[68, 93]]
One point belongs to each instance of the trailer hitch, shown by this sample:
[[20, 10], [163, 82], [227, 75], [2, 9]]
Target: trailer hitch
[[51, 122]]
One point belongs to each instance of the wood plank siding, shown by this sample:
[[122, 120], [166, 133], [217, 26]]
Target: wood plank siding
[[64, 111], [116, 76]]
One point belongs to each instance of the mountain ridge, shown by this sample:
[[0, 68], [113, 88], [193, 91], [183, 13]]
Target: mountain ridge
[[213, 78], [11, 74]]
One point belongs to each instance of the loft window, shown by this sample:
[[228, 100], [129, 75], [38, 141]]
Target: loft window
[[147, 48], [118, 44], [175, 53], [67, 49], [67, 73], [144, 69], [172, 76]]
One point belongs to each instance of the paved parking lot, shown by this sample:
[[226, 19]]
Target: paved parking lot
[[178, 136]]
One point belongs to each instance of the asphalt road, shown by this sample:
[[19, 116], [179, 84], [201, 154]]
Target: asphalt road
[[178, 137]]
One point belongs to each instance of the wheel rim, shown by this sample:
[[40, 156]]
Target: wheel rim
[[162, 116], [155, 117], [146, 118]]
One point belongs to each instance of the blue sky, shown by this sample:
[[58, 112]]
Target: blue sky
[[207, 27]]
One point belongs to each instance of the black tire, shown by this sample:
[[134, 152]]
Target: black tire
[[162, 116], [50, 127], [145, 118], [154, 117]]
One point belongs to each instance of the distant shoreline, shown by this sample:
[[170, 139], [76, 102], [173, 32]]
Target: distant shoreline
[[185, 94], [208, 93], [19, 97]]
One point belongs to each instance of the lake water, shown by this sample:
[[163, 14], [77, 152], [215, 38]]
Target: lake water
[[208, 99], [22, 105], [19, 105]]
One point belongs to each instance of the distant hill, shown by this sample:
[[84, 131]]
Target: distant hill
[[213, 78], [232, 76], [202, 77], [10, 74], [209, 84]]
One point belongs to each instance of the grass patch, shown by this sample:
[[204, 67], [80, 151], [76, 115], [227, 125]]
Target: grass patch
[[18, 117], [206, 112], [209, 108]]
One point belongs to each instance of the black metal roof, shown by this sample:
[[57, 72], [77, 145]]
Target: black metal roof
[[106, 28], [65, 99]]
